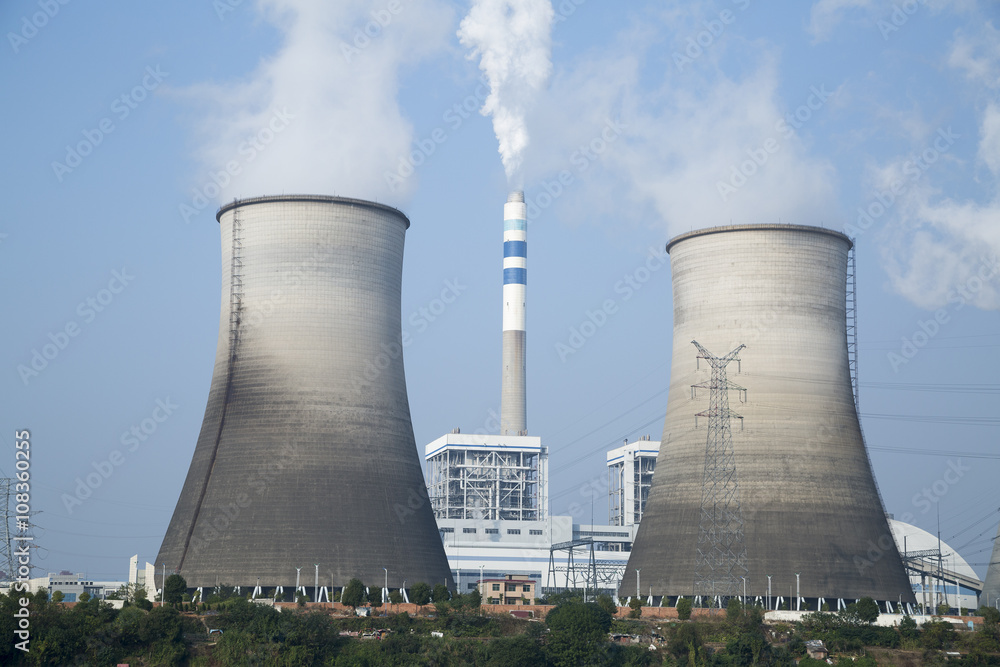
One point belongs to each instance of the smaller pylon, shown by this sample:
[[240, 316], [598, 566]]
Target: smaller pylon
[[721, 561]]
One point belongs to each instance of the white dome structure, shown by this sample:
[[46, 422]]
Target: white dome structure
[[927, 589]]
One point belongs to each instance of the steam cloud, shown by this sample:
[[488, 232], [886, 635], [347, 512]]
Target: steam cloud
[[321, 116], [514, 40]]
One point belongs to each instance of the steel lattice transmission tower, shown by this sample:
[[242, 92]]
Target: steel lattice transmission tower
[[6, 535], [721, 562]]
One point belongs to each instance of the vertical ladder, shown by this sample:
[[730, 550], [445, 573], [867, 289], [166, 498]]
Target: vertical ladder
[[852, 352], [852, 323], [235, 285]]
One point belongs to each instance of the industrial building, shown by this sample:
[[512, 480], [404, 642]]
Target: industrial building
[[306, 454], [991, 586], [630, 475], [764, 480], [495, 478], [938, 575], [490, 492]]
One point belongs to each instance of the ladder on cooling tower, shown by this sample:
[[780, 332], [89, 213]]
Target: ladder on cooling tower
[[235, 284], [852, 323], [852, 352]]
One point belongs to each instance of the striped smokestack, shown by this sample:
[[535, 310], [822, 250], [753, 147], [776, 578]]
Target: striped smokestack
[[513, 420]]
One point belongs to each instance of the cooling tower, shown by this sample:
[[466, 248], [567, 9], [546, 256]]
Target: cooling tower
[[306, 453], [991, 586], [789, 489]]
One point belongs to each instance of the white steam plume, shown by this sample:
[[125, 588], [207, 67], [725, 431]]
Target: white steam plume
[[321, 115], [514, 41]]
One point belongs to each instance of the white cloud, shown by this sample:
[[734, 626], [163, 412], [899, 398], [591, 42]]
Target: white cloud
[[978, 55], [696, 148], [337, 75], [826, 15]]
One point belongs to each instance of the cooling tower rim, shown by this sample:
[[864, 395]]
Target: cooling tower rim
[[759, 227], [321, 199]]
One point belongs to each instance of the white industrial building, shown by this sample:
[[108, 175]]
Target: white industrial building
[[630, 474], [489, 477], [937, 573]]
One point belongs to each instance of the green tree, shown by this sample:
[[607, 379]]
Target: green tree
[[684, 606], [991, 616], [867, 610], [578, 633], [395, 597], [733, 610], [58, 596], [420, 593], [607, 604], [943, 609], [908, 628], [353, 594], [508, 651], [174, 589], [635, 607], [475, 599], [686, 644], [441, 593], [84, 597], [375, 597], [937, 635]]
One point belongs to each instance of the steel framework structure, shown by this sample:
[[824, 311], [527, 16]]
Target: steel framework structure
[[629, 481], [721, 561], [487, 483]]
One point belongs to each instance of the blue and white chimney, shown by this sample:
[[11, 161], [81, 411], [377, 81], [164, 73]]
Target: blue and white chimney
[[513, 419]]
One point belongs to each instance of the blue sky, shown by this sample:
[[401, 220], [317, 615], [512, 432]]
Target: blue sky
[[123, 117]]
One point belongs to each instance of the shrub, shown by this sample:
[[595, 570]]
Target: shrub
[[607, 604], [684, 608], [420, 593], [577, 633], [635, 608]]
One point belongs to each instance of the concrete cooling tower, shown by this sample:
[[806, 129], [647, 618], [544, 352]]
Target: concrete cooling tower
[[306, 453], [991, 587], [762, 470]]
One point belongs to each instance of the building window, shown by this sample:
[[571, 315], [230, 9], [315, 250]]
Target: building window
[[447, 530], [535, 532], [511, 588], [496, 587], [492, 531], [526, 588], [468, 530], [513, 531]]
